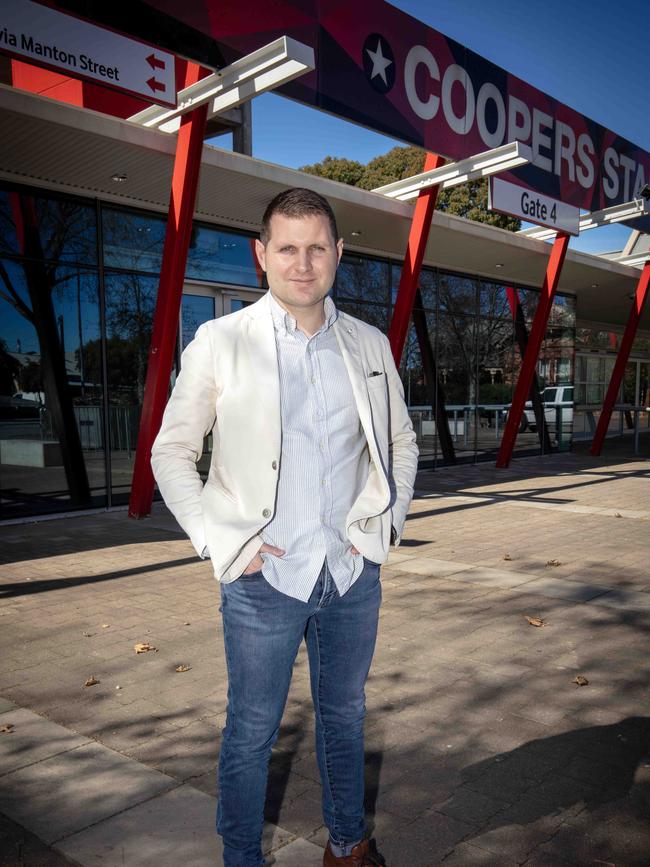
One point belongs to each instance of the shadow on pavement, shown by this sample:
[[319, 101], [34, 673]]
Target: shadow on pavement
[[22, 588]]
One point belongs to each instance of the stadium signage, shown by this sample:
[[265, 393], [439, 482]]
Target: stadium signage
[[383, 69], [73, 46], [535, 208]]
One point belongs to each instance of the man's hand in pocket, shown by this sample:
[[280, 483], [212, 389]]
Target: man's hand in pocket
[[256, 563]]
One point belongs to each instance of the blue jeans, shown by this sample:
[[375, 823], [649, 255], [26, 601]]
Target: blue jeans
[[263, 629]]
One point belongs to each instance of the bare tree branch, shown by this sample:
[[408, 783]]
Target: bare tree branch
[[13, 298]]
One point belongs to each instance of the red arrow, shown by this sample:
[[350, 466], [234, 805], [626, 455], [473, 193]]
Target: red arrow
[[155, 85], [154, 62]]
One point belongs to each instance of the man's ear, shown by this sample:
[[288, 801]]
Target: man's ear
[[260, 252], [339, 250]]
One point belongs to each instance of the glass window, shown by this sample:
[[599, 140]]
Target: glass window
[[223, 257], [494, 300], [40, 227], [458, 295], [195, 310], [360, 279], [51, 419], [375, 314], [495, 373], [427, 286], [133, 241], [130, 305]]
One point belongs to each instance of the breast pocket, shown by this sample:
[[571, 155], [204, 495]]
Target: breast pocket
[[376, 381]]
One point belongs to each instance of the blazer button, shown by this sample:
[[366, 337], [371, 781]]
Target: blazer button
[[266, 513], [274, 465]]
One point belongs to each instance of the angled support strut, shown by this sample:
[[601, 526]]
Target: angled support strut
[[525, 380], [185, 179], [638, 303]]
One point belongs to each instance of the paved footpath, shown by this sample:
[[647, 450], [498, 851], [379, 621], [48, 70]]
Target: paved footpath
[[481, 747]]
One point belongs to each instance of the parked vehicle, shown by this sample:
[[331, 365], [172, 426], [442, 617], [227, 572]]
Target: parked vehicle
[[553, 398]]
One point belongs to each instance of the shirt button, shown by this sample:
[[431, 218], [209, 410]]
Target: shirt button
[[274, 465], [324, 482], [313, 380], [266, 513]]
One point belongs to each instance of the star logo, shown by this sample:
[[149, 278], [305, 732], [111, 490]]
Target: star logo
[[379, 63]]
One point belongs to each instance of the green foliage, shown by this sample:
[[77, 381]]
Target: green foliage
[[338, 169], [466, 200], [398, 163]]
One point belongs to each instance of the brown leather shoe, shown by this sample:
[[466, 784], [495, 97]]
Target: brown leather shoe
[[364, 854]]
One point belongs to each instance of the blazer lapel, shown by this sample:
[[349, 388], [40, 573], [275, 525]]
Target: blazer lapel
[[262, 355], [348, 340]]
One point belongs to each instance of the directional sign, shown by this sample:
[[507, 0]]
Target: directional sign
[[533, 207], [76, 47]]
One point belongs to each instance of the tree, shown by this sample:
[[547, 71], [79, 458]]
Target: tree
[[466, 200], [42, 231], [338, 169]]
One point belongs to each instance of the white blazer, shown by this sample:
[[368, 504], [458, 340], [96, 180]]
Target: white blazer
[[229, 384]]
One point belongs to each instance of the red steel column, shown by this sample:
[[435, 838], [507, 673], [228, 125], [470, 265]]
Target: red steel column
[[522, 390], [621, 359], [187, 165], [408, 283]]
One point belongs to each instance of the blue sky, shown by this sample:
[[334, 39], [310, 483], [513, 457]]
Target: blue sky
[[590, 54]]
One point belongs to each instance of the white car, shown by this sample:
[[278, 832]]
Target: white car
[[557, 400]]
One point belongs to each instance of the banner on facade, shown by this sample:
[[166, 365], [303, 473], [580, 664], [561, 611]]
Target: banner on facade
[[379, 67]]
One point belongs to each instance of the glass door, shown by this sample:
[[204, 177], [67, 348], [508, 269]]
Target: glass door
[[201, 303]]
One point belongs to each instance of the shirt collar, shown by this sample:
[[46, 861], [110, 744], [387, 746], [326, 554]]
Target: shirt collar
[[285, 323]]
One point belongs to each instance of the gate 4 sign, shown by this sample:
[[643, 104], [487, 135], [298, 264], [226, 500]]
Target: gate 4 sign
[[533, 207], [76, 47]]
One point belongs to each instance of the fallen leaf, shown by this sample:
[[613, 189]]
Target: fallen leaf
[[105, 625], [507, 557], [88, 634], [92, 681], [618, 515], [580, 680], [182, 668], [535, 621], [7, 727], [144, 647], [553, 563]]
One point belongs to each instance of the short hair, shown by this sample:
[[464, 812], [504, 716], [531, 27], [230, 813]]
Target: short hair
[[295, 203]]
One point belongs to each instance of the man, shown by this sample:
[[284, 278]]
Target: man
[[312, 471]]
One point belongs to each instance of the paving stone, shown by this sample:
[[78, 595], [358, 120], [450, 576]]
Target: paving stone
[[501, 578], [174, 828], [19, 848], [467, 855], [558, 588], [64, 794], [425, 841], [299, 853], [625, 600], [470, 807], [430, 566], [33, 739]]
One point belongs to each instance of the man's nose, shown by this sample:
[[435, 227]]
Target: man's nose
[[304, 260]]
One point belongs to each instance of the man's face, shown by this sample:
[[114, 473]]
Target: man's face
[[300, 259]]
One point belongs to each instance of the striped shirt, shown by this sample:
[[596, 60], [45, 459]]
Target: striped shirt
[[324, 460]]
